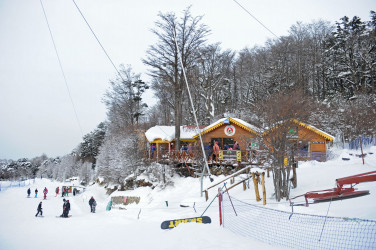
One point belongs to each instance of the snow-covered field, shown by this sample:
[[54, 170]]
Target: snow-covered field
[[138, 227]]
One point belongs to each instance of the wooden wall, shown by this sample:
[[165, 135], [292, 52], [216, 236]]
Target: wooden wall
[[317, 142], [240, 135]]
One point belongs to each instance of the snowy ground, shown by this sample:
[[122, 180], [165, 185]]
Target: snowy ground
[[138, 227]]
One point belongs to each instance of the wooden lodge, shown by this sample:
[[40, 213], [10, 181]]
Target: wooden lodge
[[310, 142]]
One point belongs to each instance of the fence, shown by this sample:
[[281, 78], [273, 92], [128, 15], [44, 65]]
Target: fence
[[4, 185], [366, 142], [295, 230]]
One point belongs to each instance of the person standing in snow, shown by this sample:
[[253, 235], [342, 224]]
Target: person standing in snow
[[63, 192], [94, 205], [28, 193], [57, 191], [64, 206], [39, 209], [45, 191], [67, 208], [36, 193], [91, 203]]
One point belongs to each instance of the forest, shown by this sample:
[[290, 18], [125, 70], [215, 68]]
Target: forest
[[321, 73]]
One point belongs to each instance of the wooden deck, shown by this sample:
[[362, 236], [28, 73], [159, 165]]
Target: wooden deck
[[233, 158]]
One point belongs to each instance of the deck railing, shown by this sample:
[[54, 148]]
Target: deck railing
[[226, 157]]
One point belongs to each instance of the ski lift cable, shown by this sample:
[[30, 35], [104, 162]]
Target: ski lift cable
[[193, 108], [249, 13], [61, 68], [100, 44]]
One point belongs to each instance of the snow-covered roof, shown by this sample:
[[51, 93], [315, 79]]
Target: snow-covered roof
[[164, 133], [245, 125], [167, 133]]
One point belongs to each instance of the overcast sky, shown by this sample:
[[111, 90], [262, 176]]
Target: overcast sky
[[36, 114]]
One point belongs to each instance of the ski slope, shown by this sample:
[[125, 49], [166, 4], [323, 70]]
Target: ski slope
[[138, 227]]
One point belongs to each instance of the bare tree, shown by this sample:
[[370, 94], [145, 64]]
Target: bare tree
[[278, 113], [163, 57]]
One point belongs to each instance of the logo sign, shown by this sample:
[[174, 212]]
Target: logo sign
[[255, 145], [229, 130], [292, 133]]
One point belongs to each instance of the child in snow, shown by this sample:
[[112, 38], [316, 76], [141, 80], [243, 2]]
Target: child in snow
[[39, 209], [28, 193], [36, 192], [57, 191]]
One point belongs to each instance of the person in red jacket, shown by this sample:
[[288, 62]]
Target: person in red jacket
[[45, 191]]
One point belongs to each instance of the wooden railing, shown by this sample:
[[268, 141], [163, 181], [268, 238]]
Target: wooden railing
[[226, 157]]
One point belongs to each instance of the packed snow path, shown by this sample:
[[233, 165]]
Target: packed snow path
[[114, 229]]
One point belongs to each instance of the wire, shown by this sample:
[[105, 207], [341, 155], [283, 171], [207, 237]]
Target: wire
[[256, 19], [92, 31], [61, 68]]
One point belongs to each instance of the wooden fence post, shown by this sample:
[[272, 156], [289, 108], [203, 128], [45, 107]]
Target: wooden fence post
[[206, 195], [256, 187]]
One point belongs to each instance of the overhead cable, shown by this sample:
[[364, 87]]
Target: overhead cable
[[61, 68], [92, 31], [256, 19]]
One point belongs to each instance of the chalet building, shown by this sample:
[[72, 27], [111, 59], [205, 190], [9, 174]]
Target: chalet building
[[227, 131], [309, 141], [161, 139]]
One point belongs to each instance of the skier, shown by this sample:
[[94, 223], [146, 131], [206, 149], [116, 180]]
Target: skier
[[36, 193], [63, 192], [64, 206], [45, 191], [67, 208], [57, 191], [94, 205], [39, 209], [28, 193], [91, 203]]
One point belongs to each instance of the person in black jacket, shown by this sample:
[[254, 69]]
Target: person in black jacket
[[39, 209], [64, 206], [28, 193], [91, 203], [67, 208]]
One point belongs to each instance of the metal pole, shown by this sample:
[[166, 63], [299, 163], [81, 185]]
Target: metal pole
[[194, 111]]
